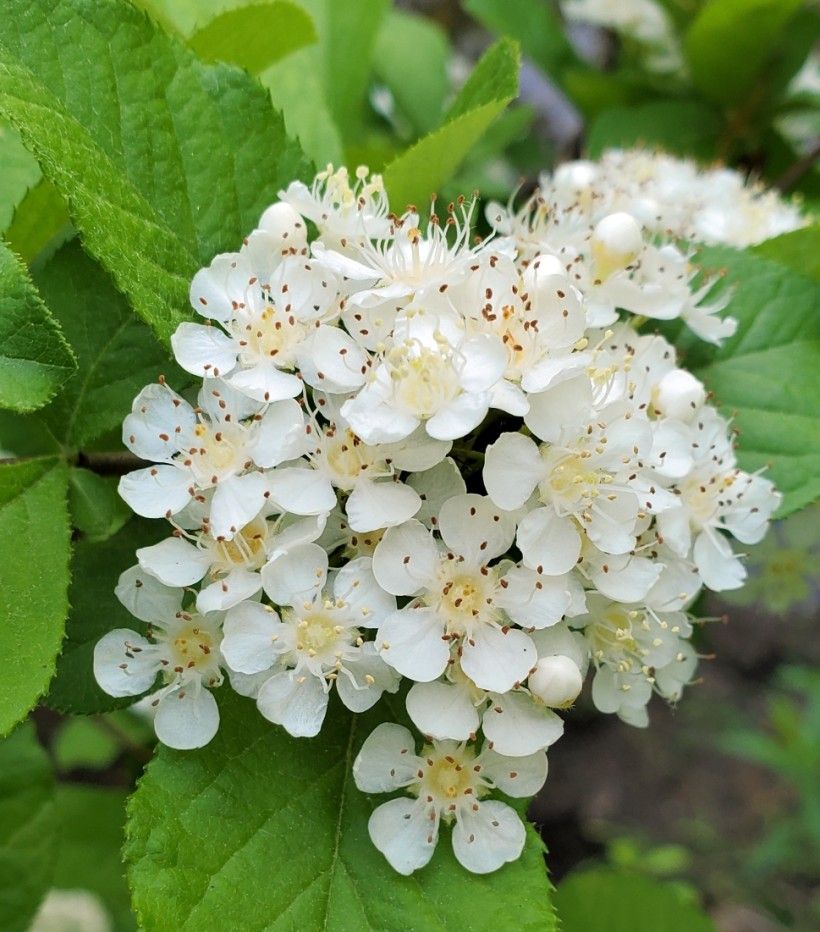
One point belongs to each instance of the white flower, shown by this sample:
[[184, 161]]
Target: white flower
[[317, 641], [183, 648], [449, 783], [462, 599]]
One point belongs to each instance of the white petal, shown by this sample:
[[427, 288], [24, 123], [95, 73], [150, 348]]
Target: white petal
[[442, 710], [174, 561], [513, 467], [673, 526], [297, 701], [405, 559], [516, 776], [483, 362], [156, 491], [485, 840], [496, 661], [405, 831], [203, 350], [435, 486], [247, 684], [419, 452], [559, 639], [332, 361], [410, 640], [146, 597], [251, 633], [362, 681], [548, 543], [625, 580], [214, 288], [612, 528], [125, 664], [158, 418], [366, 601], [236, 501], [475, 528], [280, 435], [301, 491], [517, 725], [459, 417], [718, 566], [375, 505], [533, 600], [187, 717], [387, 760], [238, 585], [565, 403], [296, 576], [264, 382]]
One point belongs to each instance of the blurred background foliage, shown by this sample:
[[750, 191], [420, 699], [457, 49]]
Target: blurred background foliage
[[716, 808]]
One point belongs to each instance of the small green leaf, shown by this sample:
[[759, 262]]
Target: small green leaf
[[29, 828], [92, 821], [799, 250], [201, 822], [95, 610], [117, 353], [604, 900], [34, 552], [20, 172], [41, 223], [96, 509], [731, 41], [254, 36], [418, 172], [82, 742], [411, 58], [35, 359], [683, 127], [778, 334], [533, 24]]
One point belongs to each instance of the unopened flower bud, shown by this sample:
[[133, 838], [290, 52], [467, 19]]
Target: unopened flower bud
[[557, 681], [282, 222], [679, 395], [616, 241]]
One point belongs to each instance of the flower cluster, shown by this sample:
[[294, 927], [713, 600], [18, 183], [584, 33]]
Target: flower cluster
[[416, 456]]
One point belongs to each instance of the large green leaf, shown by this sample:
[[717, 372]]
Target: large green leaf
[[34, 552], [799, 250], [768, 374], [605, 900], [166, 163], [95, 610], [96, 509], [684, 127], [29, 830], [202, 823], [418, 173], [730, 42], [41, 223], [254, 36], [35, 359], [533, 24], [117, 353], [92, 820]]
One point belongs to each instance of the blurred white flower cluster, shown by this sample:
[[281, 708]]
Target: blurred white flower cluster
[[417, 456]]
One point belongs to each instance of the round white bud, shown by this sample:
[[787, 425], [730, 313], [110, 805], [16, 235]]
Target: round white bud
[[679, 395], [572, 178], [556, 680], [284, 223], [616, 241]]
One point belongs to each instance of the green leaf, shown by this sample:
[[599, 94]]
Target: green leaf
[[34, 552], [28, 828], [603, 900], [41, 223], [96, 509], [768, 373], [254, 36], [35, 359], [418, 172], [730, 42], [683, 127], [20, 172], [95, 609], [92, 820], [201, 823], [168, 161], [799, 250], [411, 57], [533, 24], [117, 353]]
